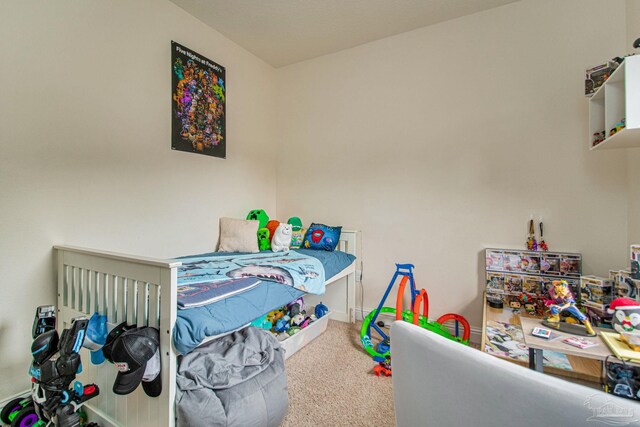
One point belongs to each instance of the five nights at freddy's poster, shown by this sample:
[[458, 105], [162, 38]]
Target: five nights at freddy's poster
[[198, 103]]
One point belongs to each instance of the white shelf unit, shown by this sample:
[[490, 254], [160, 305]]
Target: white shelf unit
[[618, 98]]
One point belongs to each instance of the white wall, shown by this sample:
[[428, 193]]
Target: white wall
[[85, 155], [633, 155], [442, 141]]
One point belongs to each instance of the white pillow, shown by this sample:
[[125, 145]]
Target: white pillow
[[238, 235]]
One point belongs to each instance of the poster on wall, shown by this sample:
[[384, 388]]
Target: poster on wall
[[197, 103]]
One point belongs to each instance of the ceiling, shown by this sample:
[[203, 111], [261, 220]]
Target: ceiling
[[283, 32]]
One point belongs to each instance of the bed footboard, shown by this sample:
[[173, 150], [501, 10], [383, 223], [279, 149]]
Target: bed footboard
[[141, 291]]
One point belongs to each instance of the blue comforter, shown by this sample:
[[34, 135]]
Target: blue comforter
[[301, 271], [196, 324]]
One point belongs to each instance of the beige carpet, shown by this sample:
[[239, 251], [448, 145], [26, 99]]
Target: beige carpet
[[331, 383]]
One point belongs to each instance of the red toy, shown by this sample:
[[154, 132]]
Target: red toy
[[383, 368]]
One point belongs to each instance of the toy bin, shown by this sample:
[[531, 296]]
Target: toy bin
[[295, 342]]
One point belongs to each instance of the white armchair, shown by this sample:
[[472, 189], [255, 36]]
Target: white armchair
[[440, 383]]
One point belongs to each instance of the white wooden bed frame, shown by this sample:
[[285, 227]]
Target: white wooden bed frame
[[142, 291]]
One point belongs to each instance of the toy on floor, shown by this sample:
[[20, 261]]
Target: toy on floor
[[418, 298], [56, 361], [22, 411], [383, 368], [562, 301], [44, 320]]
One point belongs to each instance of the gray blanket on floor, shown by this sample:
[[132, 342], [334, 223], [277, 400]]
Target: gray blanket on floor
[[236, 380]]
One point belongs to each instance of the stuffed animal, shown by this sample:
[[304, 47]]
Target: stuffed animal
[[293, 330], [281, 238], [296, 223], [305, 323], [296, 306], [272, 225], [260, 216], [263, 239], [274, 316], [321, 310], [281, 325], [262, 323], [297, 320]]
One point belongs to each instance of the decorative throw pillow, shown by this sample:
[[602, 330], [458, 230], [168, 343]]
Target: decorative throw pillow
[[238, 235], [320, 236], [297, 237]]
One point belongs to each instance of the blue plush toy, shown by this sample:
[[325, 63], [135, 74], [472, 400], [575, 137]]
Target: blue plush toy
[[281, 325], [321, 310], [262, 323]]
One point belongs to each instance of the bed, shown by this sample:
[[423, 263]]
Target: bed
[[142, 291]]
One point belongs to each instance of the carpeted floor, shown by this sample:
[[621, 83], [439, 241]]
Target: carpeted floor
[[331, 383]]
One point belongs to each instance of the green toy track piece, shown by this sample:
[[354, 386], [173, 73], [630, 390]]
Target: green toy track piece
[[407, 316]]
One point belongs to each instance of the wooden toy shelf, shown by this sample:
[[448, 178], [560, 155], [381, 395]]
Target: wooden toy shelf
[[617, 99]]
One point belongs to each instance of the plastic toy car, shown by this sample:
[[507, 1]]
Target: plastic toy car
[[382, 368]]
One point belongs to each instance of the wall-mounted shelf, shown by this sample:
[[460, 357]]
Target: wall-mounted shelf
[[617, 99]]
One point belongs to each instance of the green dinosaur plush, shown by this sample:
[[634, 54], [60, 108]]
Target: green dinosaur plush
[[260, 216], [263, 239]]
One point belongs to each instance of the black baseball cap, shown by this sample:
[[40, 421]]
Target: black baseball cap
[[136, 354], [111, 338]]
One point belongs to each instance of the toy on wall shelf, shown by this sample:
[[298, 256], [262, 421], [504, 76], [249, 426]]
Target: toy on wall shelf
[[532, 244], [598, 137], [617, 127], [562, 301]]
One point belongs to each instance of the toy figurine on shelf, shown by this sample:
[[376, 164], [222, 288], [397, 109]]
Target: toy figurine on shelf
[[532, 245], [543, 245], [562, 301], [626, 321]]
